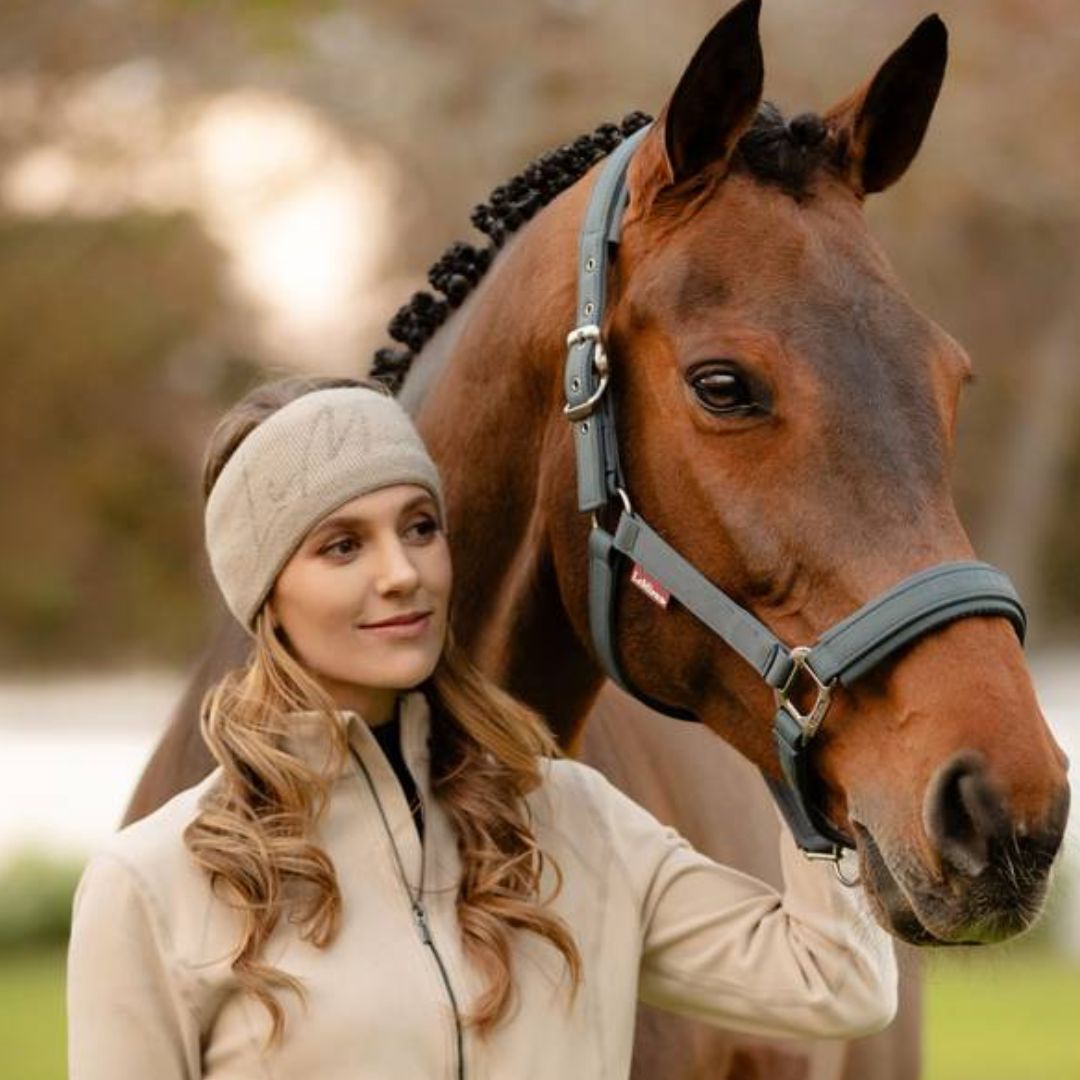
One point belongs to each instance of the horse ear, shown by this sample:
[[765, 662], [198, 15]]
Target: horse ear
[[880, 127], [718, 94]]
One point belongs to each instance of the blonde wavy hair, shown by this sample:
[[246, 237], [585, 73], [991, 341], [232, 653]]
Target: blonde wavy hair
[[254, 835]]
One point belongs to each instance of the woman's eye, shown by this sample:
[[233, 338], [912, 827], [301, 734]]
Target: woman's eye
[[342, 547], [422, 529]]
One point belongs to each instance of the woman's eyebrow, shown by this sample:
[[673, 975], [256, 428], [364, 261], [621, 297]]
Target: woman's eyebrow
[[339, 521], [353, 521]]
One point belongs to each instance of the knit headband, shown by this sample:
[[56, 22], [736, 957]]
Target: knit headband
[[297, 466]]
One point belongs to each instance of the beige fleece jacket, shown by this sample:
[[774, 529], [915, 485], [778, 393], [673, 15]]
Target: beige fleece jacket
[[151, 996]]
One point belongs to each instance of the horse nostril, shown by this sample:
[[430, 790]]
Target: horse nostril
[[964, 814]]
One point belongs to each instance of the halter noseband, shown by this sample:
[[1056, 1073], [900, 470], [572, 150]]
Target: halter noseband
[[917, 605]]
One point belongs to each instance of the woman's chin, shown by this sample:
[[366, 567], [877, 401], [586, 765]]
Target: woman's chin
[[397, 674]]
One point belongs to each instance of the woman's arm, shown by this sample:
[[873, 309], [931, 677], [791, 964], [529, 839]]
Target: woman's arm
[[130, 1014], [724, 947]]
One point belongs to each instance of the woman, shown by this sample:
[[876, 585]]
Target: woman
[[391, 874]]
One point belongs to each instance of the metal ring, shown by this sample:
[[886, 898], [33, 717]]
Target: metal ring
[[848, 882]]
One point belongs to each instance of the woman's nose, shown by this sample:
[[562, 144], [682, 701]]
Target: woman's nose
[[396, 570]]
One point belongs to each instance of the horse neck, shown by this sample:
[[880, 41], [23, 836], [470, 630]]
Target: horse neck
[[492, 419]]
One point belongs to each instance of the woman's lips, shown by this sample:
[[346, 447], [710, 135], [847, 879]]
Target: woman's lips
[[410, 628]]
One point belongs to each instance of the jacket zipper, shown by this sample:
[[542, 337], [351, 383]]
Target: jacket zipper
[[420, 916]]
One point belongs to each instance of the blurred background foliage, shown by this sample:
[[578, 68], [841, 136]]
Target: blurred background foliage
[[157, 159], [35, 900], [109, 328]]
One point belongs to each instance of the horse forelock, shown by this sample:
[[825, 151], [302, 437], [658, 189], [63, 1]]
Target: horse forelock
[[787, 153]]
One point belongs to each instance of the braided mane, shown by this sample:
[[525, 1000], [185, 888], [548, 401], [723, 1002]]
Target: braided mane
[[772, 149], [508, 207]]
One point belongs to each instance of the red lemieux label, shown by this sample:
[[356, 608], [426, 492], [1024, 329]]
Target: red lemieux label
[[650, 586]]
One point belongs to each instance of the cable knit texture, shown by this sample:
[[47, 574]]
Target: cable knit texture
[[297, 466]]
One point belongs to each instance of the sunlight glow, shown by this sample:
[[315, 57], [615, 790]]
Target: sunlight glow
[[305, 219]]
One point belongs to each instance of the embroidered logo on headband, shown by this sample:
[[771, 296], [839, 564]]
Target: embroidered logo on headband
[[324, 440]]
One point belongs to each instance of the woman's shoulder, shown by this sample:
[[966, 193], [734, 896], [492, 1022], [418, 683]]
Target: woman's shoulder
[[579, 810], [151, 837], [576, 788], [565, 779], [142, 901], [151, 854]]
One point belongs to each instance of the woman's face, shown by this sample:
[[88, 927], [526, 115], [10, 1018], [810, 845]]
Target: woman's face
[[364, 599]]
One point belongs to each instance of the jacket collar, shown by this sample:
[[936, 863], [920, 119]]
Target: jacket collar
[[307, 738]]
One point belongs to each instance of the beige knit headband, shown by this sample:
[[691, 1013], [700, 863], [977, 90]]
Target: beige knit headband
[[297, 466]]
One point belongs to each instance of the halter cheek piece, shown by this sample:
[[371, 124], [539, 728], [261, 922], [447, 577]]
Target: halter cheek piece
[[914, 607]]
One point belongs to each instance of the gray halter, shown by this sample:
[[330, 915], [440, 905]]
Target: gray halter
[[914, 607]]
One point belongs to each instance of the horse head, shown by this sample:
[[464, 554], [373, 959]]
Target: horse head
[[786, 419]]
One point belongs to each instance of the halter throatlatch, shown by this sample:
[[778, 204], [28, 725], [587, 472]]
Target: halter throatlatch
[[917, 605]]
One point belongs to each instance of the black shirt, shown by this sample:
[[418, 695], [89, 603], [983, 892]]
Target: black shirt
[[388, 736]]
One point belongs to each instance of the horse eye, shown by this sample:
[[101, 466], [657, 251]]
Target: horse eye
[[723, 391]]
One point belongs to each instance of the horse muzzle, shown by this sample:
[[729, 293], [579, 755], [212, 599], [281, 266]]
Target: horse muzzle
[[988, 873]]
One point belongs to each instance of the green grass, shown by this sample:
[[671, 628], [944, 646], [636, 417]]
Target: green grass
[[1001, 1015], [32, 1029]]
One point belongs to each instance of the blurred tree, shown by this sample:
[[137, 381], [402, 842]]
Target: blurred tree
[[119, 356]]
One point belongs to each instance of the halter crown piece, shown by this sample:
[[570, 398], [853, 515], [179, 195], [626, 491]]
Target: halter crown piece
[[917, 605]]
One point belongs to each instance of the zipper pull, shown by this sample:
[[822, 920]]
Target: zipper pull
[[420, 915]]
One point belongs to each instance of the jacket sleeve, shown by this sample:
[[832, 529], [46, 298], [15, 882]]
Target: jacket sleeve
[[130, 1014], [726, 948]]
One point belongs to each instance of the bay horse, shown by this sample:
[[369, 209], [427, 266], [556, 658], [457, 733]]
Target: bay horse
[[786, 416]]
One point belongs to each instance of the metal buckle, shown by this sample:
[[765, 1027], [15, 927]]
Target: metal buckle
[[626, 507], [811, 721], [583, 335]]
